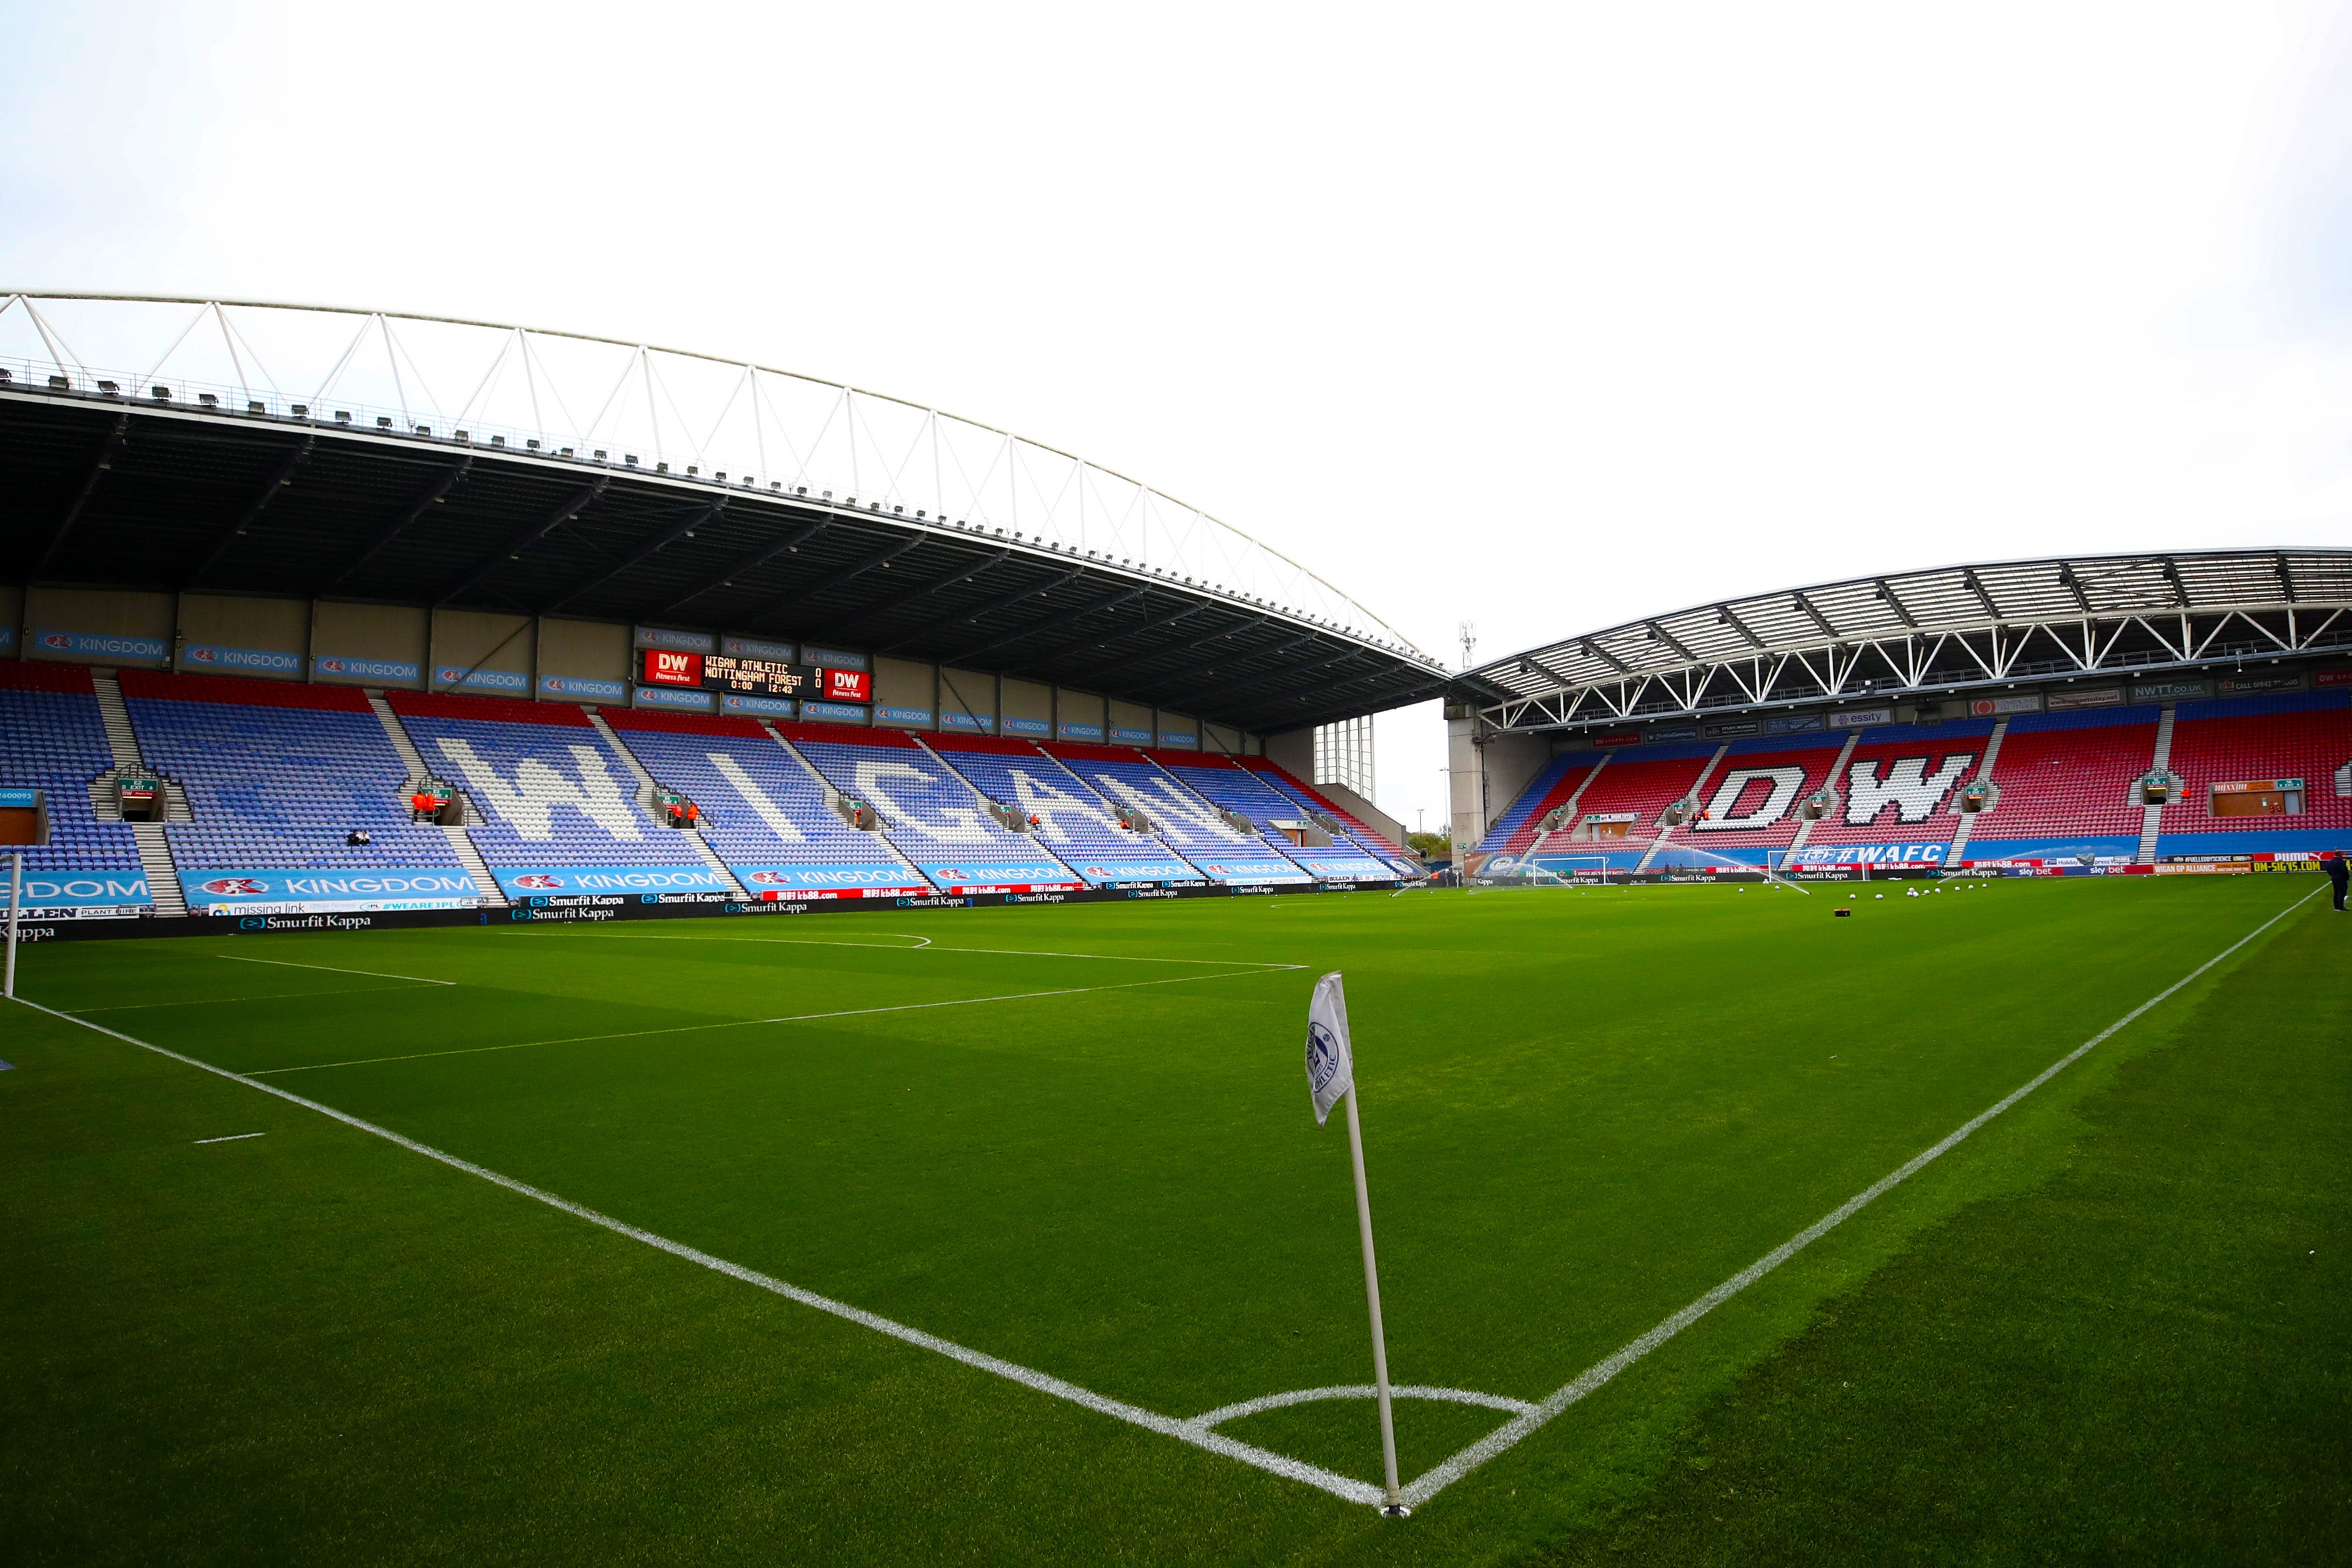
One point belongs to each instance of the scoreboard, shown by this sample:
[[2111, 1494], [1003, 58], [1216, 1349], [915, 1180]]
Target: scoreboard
[[755, 676]]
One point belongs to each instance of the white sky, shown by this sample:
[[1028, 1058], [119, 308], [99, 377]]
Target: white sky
[[1540, 319]]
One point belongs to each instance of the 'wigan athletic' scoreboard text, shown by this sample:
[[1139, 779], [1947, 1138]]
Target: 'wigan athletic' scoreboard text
[[757, 677]]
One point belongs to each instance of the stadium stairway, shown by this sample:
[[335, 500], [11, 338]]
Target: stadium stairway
[[2290, 735], [1667, 830], [1076, 821], [2151, 820], [1366, 838], [929, 814], [1969, 819], [1567, 809], [461, 843], [985, 801], [1554, 783], [647, 787], [53, 738], [1181, 817], [1227, 785], [155, 845], [833, 796], [1805, 825]]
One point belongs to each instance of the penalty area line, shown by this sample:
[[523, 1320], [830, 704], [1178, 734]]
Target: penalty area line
[[756, 1023], [372, 974], [1339, 1486], [1436, 1479]]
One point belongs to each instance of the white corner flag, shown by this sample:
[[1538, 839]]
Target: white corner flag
[[1331, 1077], [1331, 1062]]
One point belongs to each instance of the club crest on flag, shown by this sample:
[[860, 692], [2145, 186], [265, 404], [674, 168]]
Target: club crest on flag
[[1331, 1061]]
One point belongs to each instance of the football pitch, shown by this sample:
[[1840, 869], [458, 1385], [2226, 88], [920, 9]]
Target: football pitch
[[1008, 1235]]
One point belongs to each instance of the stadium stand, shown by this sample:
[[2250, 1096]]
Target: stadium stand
[[1180, 816], [1637, 785], [551, 807], [1072, 820], [1516, 829], [2297, 734], [1365, 836], [934, 817], [1224, 782], [1762, 782], [53, 738], [277, 777], [762, 810], [2067, 786], [1895, 792]]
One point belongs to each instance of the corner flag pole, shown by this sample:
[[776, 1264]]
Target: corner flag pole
[[1331, 1077], [15, 898], [1373, 1301]]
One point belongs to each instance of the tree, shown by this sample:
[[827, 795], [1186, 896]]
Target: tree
[[1432, 846]]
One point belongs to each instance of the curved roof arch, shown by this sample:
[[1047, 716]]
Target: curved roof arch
[[1944, 629], [614, 403]]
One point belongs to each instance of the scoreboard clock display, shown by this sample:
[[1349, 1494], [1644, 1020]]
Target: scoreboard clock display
[[755, 676]]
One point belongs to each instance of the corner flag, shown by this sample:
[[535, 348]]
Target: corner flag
[[1331, 1077], [1330, 1060]]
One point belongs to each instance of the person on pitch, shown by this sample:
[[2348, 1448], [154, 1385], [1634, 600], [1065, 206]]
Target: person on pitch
[[2338, 872]]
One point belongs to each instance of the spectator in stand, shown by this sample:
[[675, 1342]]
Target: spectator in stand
[[423, 807], [2338, 872], [359, 836]]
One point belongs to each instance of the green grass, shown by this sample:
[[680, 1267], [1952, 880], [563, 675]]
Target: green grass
[[1581, 1112]]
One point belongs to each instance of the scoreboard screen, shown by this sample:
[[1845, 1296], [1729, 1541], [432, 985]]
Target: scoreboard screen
[[759, 676], [754, 677]]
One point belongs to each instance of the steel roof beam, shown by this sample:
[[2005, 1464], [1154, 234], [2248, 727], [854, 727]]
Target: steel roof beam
[[725, 576], [1197, 645], [1051, 622], [570, 507], [281, 476], [1660, 634], [115, 440], [937, 584], [1595, 650], [432, 495], [679, 530], [1893, 601], [1003, 601], [1814, 614], [873, 560]]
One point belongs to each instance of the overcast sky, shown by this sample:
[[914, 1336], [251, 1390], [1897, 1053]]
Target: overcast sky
[[1540, 319]]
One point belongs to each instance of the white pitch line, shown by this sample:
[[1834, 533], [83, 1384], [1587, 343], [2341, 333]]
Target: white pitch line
[[1226, 1413], [928, 946], [753, 1023], [217, 1001], [1437, 1478], [1339, 1486], [233, 1138], [1424, 1486], [372, 973], [919, 942]]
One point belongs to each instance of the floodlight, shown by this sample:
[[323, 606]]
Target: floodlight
[[498, 441], [160, 394], [253, 407], [424, 429], [384, 421], [108, 388], [299, 410], [60, 384], [532, 443], [661, 467], [465, 436], [342, 415], [209, 399]]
